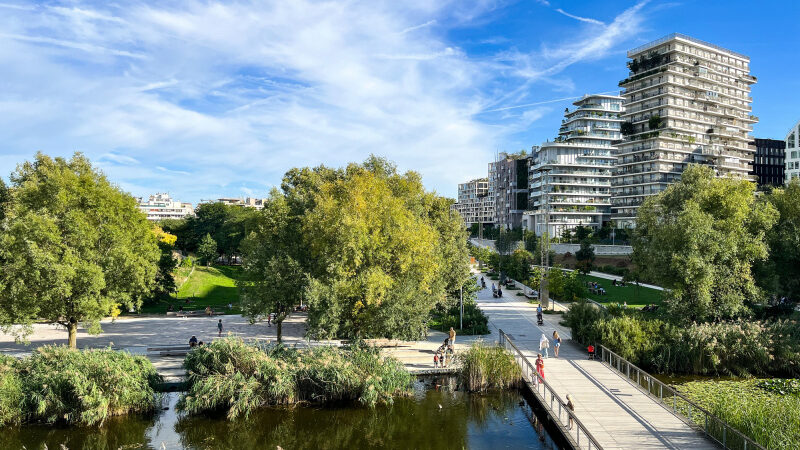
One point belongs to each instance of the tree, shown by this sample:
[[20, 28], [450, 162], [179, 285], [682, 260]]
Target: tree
[[165, 281], [699, 239], [566, 235], [3, 199], [582, 232], [519, 267], [627, 128], [73, 247], [780, 273], [207, 251], [654, 122], [585, 257], [505, 243]]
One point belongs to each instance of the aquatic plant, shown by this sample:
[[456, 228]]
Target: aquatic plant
[[485, 367], [11, 394]]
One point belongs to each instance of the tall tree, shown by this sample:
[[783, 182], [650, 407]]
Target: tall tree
[[780, 273], [165, 280], [73, 246], [585, 257], [699, 239], [207, 251]]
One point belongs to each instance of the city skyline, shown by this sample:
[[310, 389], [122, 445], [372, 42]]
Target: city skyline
[[207, 100]]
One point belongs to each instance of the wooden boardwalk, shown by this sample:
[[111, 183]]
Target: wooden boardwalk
[[615, 411]]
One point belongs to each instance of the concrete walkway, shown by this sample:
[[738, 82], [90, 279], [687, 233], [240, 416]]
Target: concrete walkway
[[619, 415]]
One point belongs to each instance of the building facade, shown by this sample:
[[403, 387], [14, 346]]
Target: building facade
[[769, 162], [508, 187], [792, 154], [161, 206], [570, 178], [247, 202], [474, 202], [686, 101]]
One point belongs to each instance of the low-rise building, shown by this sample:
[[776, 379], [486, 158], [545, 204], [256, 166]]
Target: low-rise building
[[474, 202], [792, 153], [161, 206]]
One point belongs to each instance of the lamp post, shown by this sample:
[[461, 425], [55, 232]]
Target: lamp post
[[545, 255], [461, 316]]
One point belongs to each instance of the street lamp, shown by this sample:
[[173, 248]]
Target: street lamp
[[544, 171]]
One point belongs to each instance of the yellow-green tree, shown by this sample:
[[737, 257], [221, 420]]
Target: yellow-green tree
[[72, 246]]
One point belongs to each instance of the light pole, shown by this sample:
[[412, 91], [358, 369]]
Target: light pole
[[461, 316], [545, 255]]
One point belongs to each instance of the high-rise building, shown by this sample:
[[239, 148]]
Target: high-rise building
[[686, 101], [508, 186], [474, 202], [793, 153], [161, 206], [570, 178], [769, 162]]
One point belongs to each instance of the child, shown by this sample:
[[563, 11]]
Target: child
[[436, 361]]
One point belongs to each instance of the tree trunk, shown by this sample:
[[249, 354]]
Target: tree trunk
[[280, 330], [72, 328]]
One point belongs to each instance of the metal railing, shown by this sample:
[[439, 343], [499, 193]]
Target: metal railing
[[690, 412], [557, 408]]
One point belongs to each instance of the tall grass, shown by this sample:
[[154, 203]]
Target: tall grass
[[237, 378], [59, 384], [485, 367], [771, 419]]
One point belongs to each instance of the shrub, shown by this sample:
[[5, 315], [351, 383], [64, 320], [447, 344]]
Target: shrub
[[475, 321], [486, 367], [11, 394], [86, 387], [582, 318], [238, 378]]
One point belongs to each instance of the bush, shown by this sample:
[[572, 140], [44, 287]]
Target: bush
[[85, 387], [238, 378], [582, 318], [11, 394], [486, 367], [475, 321], [187, 262]]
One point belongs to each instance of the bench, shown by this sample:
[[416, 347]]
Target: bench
[[177, 350]]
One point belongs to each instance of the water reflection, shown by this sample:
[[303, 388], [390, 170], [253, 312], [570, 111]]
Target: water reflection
[[431, 419]]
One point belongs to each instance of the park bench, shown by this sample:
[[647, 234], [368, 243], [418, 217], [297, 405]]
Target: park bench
[[175, 350], [193, 313]]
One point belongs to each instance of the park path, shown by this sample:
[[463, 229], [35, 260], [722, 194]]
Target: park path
[[618, 414]]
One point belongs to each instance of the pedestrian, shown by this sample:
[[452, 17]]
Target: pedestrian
[[269, 319], [436, 361], [540, 365], [556, 342], [193, 341], [219, 327], [539, 309], [570, 406], [544, 344], [452, 335]]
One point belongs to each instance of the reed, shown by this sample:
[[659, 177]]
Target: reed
[[485, 367]]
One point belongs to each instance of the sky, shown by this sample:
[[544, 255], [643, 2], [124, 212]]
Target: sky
[[205, 99]]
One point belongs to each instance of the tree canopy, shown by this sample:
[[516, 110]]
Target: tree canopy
[[699, 238], [780, 273], [72, 246], [368, 248]]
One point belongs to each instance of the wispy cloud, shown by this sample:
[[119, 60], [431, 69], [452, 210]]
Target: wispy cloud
[[582, 19]]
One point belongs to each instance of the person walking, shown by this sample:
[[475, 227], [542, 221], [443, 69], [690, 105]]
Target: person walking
[[540, 365], [436, 361], [452, 343], [556, 343], [544, 344], [219, 327], [570, 406]]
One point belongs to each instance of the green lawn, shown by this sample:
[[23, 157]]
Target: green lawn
[[635, 296], [213, 286]]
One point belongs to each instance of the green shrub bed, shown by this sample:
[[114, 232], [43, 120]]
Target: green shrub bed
[[485, 367], [475, 321], [770, 418], [57, 384], [237, 378]]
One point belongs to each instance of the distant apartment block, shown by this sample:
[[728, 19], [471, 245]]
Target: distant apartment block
[[508, 186], [570, 178], [247, 202], [793, 153], [161, 206], [474, 202], [769, 162], [686, 101]]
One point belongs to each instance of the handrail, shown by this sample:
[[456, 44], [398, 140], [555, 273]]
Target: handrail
[[542, 389], [687, 410]]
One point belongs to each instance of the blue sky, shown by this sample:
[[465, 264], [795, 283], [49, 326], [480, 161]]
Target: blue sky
[[205, 99]]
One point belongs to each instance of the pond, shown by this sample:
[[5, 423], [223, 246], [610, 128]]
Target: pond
[[429, 419]]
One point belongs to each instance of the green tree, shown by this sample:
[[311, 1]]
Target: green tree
[[654, 122], [519, 267], [165, 280], [272, 278], [207, 250], [699, 239], [72, 248], [3, 199], [585, 257], [506, 243], [582, 232], [780, 273]]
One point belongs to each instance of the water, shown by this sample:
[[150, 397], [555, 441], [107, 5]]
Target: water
[[470, 421]]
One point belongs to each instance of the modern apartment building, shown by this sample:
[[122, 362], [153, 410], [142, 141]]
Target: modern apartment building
[[769, 162], [793, 153], [508, 186], [474, 202], [161, 206], [686, 101], [247, 202], [570, 178]]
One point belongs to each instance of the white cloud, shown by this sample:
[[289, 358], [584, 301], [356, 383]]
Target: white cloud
[[582, 19]]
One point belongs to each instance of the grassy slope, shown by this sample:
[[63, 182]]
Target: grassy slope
[[213, 286], [635, 296], [771, 419]]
